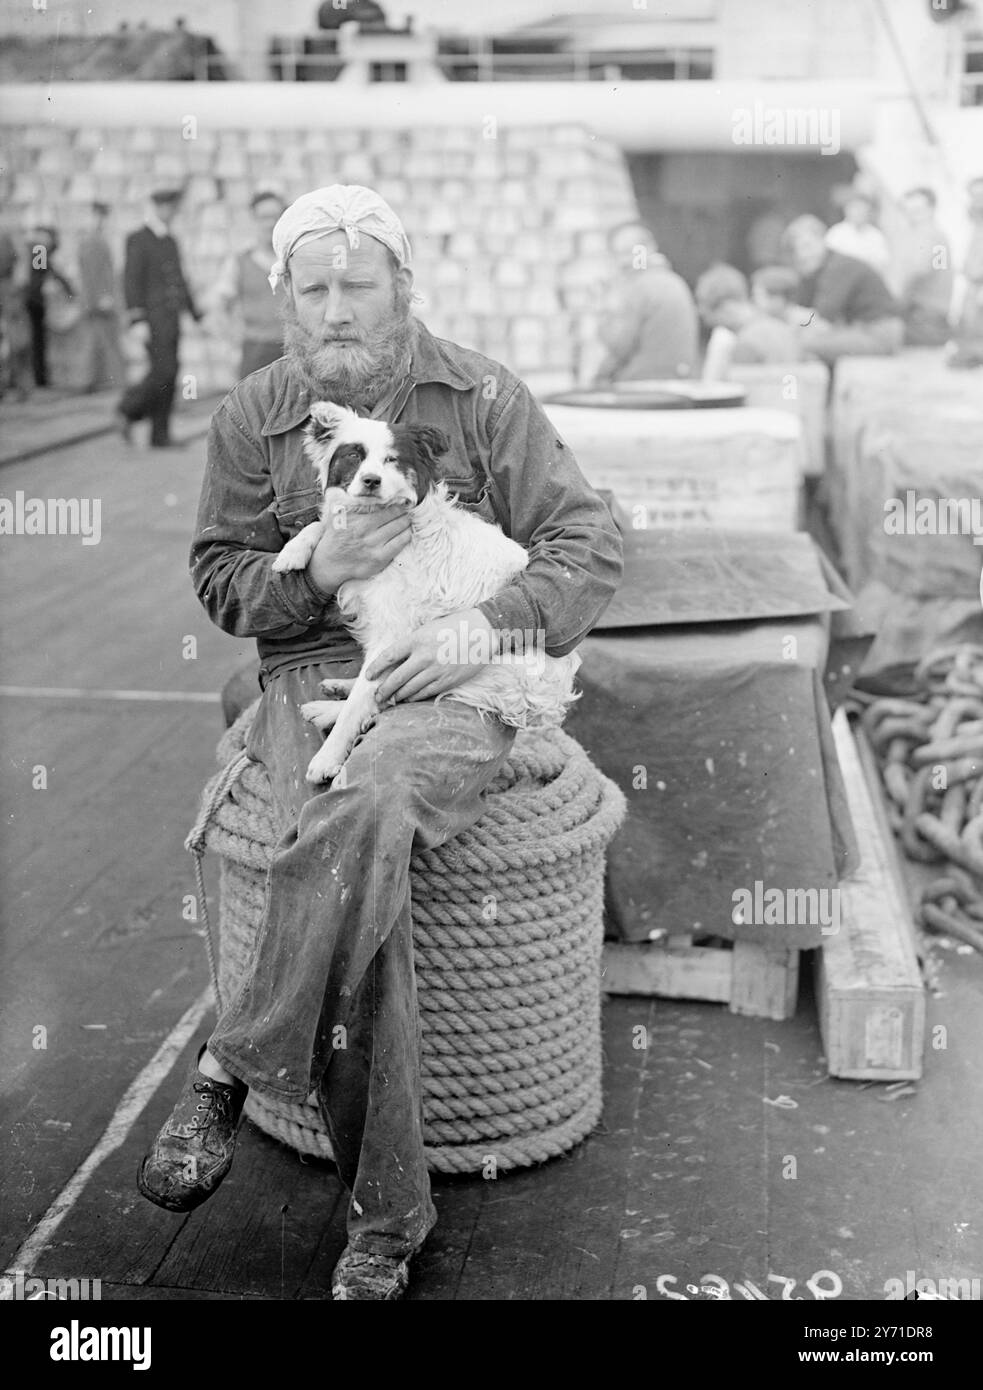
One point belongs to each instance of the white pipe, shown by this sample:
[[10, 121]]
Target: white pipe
[[638, 116]]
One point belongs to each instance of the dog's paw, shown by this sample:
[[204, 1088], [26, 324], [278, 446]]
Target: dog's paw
[[335, 686], [323, 714], [321, 769], [289, 560]]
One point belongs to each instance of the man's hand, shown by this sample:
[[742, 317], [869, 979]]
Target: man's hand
[[360, 539], [435, 657]]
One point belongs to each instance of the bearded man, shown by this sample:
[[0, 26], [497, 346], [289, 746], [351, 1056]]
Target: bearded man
[[330, 958]]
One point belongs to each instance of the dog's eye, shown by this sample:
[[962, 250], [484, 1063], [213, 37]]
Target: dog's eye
[[391, 458]]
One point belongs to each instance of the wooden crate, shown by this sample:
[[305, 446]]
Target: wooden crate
[[739, 469], [868, 983], [800, 389], [760, 981]]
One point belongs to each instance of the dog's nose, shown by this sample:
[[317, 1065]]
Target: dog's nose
[[370, 481]]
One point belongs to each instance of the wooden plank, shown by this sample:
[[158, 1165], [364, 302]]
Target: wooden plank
[[555, 1231], [257, 1235], [765, 980], [869, 988], [81, 597], [695, 1142], [759, 981], [261, 1231], [97, 951], [695, 972], [157, 1293], [80, 811], [872, 781], [438, 1270]]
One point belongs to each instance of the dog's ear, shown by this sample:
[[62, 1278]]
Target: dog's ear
[[428, 444], [326, 420], [430, 441], [320, 436]]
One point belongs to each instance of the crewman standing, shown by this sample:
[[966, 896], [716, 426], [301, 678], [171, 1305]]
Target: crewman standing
[[156, 293]]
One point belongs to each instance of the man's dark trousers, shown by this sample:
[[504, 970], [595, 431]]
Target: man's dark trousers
[[153, 397], [328, 1002]]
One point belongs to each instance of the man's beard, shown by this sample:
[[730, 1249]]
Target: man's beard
[[353, 373]]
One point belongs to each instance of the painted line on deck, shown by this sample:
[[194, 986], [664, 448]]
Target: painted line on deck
[[51, 692], [137, 1097]]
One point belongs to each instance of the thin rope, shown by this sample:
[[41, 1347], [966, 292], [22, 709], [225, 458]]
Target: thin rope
[[215, 793]]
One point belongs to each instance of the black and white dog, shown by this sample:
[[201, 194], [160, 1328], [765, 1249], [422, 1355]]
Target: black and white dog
[[453, 561]]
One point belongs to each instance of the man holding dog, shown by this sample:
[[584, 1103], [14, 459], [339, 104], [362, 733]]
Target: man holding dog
[[328, 958]]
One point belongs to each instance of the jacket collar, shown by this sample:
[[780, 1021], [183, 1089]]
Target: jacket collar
[[155, 225], [432, 361]]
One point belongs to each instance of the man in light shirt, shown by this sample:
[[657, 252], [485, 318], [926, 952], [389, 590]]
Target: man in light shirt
[[243, 287], [98, 291], [857, 236], [925, 272], [969, 331]]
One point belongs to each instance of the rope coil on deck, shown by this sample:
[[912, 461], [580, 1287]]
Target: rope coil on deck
[[507, 934]]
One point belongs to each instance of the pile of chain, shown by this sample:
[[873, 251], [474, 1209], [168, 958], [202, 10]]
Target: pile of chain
[[930, 751]]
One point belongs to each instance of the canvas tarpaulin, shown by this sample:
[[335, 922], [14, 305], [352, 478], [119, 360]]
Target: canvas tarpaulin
[[717, 732], [907, 430]]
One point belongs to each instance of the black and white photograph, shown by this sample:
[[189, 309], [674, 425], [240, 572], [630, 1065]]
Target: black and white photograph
[[491, 527]]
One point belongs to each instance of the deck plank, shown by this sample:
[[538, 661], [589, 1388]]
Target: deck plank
[[94, 936], [552, 1232], [260, 1233]]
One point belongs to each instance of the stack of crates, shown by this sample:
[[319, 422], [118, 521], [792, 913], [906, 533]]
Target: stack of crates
[[508, 224]]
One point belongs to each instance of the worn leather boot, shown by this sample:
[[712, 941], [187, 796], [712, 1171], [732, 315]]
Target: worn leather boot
[[369, 1278], [193, 1151]]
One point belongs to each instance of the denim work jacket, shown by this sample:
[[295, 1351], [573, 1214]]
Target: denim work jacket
[[506, 464]]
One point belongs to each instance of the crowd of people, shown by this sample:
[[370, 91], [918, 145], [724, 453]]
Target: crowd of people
[[134, 315], [846, 289], [843, 290]]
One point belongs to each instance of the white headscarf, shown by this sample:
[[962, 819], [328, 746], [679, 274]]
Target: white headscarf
[[341, 206]]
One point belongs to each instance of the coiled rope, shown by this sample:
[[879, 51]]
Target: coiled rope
[[507, 934]]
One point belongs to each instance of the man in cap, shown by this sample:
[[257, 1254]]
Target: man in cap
[[328, 1003], [156, 294]]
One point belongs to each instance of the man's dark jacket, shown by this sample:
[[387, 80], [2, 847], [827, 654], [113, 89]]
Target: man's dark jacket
[[506, 463], [153, 280], [845, 290]]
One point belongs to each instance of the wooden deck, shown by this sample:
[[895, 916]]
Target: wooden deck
[[689, 1173]]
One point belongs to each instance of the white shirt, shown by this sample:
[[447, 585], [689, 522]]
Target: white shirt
[[156, 225], [867, 244]]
